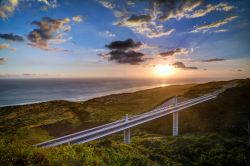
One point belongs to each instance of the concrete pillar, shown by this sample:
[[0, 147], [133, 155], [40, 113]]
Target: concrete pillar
[[126, 132], [176, 101], [175, 121]]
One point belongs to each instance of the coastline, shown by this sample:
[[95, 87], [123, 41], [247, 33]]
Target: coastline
[[57, 118], [97, 95], [82, 96]]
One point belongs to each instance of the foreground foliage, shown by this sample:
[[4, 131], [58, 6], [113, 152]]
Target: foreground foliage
[[209, 149]]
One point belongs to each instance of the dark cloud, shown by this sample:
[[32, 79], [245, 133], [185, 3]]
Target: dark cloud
[[2, 60], [124, 45], [49, 30], [12, 37], [129, 57], [168, 53], [176, 51], [123, 52], [139, 19], [181, 65], [213, 60]]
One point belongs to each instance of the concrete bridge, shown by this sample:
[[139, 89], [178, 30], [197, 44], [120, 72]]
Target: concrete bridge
[[169, 107]]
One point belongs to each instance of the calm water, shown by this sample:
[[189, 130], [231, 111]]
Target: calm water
[[23, 91]]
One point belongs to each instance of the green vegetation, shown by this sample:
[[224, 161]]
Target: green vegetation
[[212, 133], [228, 115], [144, 150], [57, 118]]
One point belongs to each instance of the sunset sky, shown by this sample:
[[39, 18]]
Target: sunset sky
[[130, 38]]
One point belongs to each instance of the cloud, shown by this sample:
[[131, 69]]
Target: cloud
[[181, 65], [2, 60], [3, 46], [187, 9], [178, 9], [136, 20], [160, 33], [149, 23], [126, 57], [7, 7], [123, 52], [146, 46], [145, 25], [177, 51], [106, 4], [210, 8], [213, 60], [130, 2], [12, 37], [107, 34], [48, 30], [44, 8], [215, 24], [49, 3], [77, 18], [121, 13], [221, 30], [124, 45]]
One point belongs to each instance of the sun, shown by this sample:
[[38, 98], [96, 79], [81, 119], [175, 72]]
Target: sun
[[163, 70]]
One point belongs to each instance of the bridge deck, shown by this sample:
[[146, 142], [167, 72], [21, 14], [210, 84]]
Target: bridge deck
[[120, 125]]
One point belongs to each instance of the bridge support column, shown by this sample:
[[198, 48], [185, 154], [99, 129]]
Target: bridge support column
[[126, 132], [175, 121]]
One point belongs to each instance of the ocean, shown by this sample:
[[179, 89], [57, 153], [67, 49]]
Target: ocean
[[26, 91]]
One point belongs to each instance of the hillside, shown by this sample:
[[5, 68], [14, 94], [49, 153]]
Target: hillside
[[211, 133], [38, 122], [228, 114]]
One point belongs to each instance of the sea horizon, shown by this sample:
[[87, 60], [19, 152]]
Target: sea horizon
[[23, 91]]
